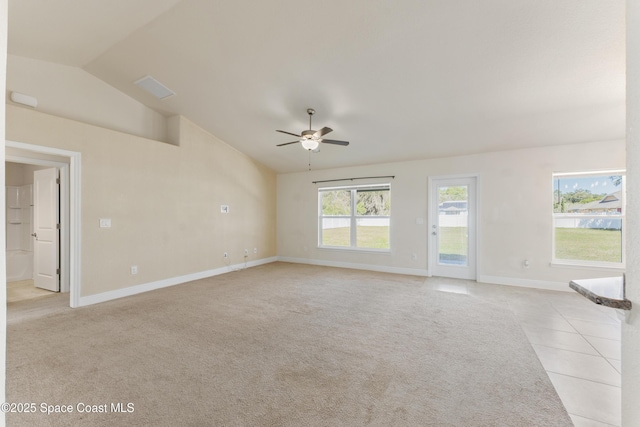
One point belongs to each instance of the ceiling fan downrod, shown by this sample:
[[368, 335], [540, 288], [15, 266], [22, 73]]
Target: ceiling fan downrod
[[310, 112]]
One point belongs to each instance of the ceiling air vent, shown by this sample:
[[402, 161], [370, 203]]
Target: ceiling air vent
[[154, 87]]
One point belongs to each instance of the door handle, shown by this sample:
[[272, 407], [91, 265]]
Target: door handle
[[35, 235], [434, 233]]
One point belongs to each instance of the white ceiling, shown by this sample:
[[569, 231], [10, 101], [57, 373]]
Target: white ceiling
[[399, 80]]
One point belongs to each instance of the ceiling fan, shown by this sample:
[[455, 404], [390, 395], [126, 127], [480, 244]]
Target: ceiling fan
[[311, 139]]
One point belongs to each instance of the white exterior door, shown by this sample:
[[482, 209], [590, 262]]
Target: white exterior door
[[46, 233], [452, 227]]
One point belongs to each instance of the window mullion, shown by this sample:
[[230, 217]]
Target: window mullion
[[353, 218], [333, 218]]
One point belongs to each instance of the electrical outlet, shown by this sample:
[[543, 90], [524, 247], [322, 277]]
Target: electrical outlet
[[226, 255], [255, 250], [246, 252], [134, 269]]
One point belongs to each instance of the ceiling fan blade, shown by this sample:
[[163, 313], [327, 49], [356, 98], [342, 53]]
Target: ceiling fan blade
[[325, 130], [289, 133], [333, 141], [287, 143]]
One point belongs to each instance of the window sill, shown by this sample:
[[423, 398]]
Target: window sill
[[356, 250], [596, 267]]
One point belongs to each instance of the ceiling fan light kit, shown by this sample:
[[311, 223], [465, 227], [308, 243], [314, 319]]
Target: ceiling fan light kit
[[309, 144], [310, 139]]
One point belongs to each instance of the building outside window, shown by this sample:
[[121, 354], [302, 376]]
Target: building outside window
[[355, 217], [588, 218]]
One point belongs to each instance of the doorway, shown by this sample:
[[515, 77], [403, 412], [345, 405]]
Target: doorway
[[68, 164], [452, 227], [32, 230]]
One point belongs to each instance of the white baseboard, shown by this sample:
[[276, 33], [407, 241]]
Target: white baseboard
[[145, 287], [355, 266], [525, 283], [496, 280]]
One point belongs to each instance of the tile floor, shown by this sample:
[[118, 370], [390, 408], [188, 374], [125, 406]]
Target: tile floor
[[577, 342], [24, 289]]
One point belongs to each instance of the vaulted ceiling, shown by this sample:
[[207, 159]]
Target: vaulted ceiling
[[399, 80]]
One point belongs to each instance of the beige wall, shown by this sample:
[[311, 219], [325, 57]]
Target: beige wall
[[20, 174], [73, 93], [163, 200], [514, 217]]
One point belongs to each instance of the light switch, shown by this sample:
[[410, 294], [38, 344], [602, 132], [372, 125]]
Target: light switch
[[419, 221], [105, 222]]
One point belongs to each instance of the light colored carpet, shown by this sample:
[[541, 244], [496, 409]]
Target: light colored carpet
[[284, 345]]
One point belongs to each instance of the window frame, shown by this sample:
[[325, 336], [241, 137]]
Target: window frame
[[353, 217], [558, 215]]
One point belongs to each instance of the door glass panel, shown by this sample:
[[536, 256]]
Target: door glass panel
[[453, 225]]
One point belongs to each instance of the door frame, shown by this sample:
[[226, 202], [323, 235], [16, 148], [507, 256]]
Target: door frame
[[70, 219], [432, 258]]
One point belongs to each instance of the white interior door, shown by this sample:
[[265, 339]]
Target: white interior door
[[452, 227], [46, 245]]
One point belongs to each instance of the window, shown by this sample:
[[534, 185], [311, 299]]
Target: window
[[354, 217], [588, 218]]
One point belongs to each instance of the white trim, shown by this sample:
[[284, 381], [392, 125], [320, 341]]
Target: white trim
[[75, 223], [577, 266], [164, 283], [525, 283], [623, 217], [70, 268], [355, 266], [495, 280], [352, 217], [596, 172], [64, 210]]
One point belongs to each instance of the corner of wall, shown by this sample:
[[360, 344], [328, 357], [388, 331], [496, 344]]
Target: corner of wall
[[3, 272], [173, 130]]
